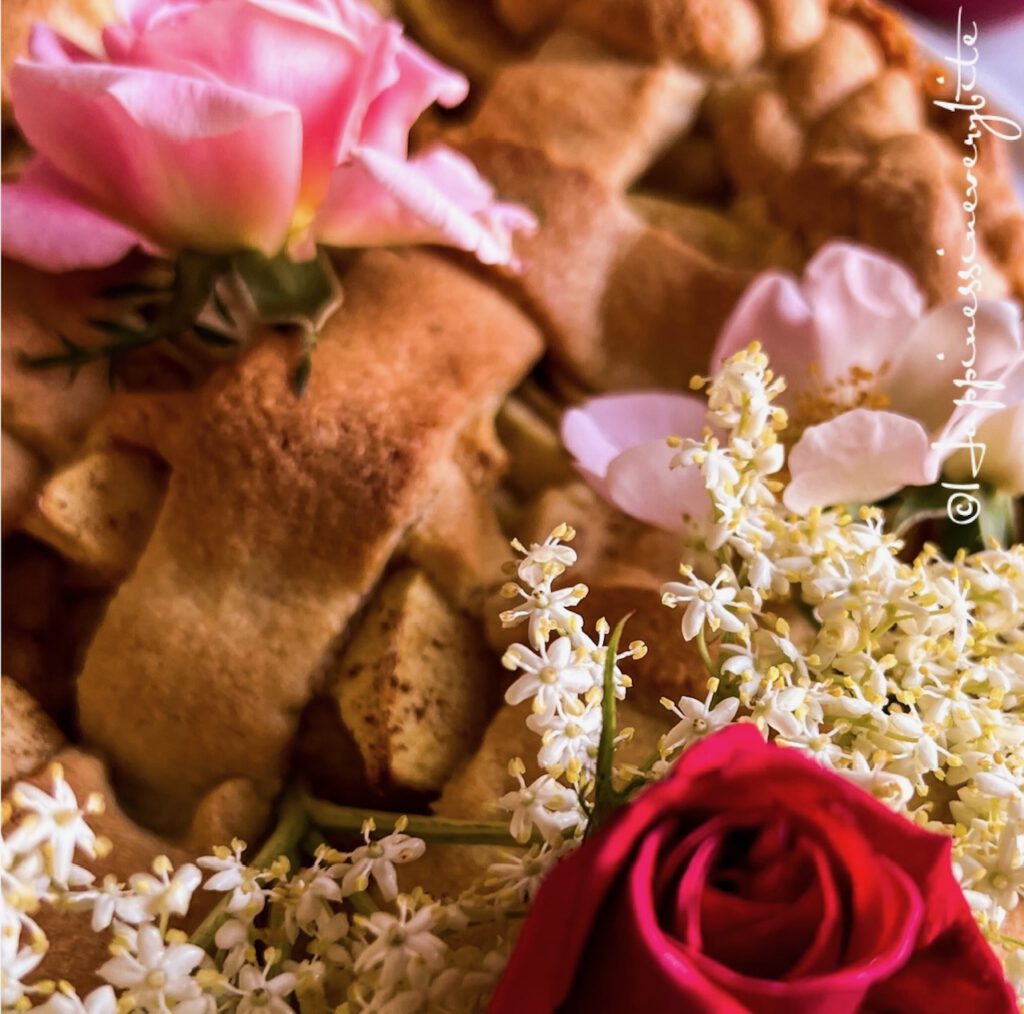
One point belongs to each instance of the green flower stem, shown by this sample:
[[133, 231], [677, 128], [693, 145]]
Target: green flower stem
[[292, 824], [606, 799], [702, 647], [362, 903], [441, 830]]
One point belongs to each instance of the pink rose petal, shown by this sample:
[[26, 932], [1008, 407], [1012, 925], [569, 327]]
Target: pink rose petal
[[853, 307], [435, 197], [641, 484], [774, 312], [601, 428], [156, 149], [261, 50], [46, 46], [219, 125], [420, 82], [619, 443], [860, 456], [53, 231]]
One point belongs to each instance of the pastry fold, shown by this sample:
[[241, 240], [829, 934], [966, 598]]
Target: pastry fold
[[280, 516]]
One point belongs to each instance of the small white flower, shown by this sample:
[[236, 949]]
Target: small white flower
[[166, 893], [706, 604], [306, 895], [698, 719], [546, 611], [518, 876], [159, 974], [258, 993], [376, 861], [16, 966], [548, 676], [399, 941], [65, 1000], [56, 822], [110, 901], [229, 871], [230, 874], [568, 740], [544, 804], [545, 561]]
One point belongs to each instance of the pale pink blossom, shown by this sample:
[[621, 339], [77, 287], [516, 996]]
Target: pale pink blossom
[[620, 445], [872, 378], [872, 384], [220, 125]]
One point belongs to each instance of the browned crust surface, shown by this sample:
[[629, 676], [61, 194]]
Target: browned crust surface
[[280, 515]]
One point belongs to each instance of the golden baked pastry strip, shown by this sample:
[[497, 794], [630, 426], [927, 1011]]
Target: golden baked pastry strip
[[280, 516], [820, 112]]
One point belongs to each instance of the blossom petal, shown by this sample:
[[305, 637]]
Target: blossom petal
[[864, 306], [1002, 462], [923, 382], [187, 162], [861, 455], [603, 427], [774, 312], [436, 197], [640, 483], [43, 224]]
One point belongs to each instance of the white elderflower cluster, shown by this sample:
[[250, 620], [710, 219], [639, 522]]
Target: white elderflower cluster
[[561, 671], [337, 934], [152, 968], [906, 675]]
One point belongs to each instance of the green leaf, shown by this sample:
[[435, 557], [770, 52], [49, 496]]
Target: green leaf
[[606, 799], [195, 275], [211, 336], [996, 519], [300, 375], [915, 505], [291, 292]]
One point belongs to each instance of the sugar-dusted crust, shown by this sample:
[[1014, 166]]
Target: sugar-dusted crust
[[625, 304], [40, 407], [29, 738], [717, 35], [280, 515], [822, 111], [621, 116]]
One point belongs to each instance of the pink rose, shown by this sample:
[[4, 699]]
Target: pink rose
[[753, 879], [222, 125]]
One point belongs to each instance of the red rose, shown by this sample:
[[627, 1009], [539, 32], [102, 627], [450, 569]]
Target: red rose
[[753, 879]]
